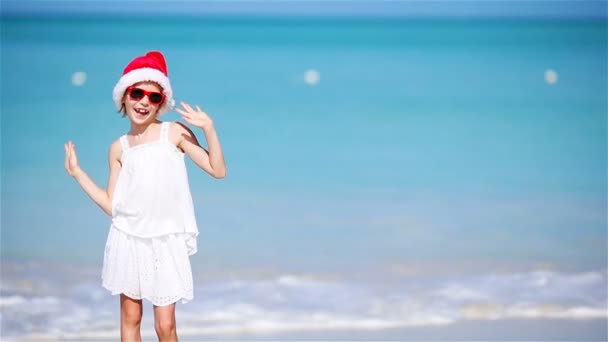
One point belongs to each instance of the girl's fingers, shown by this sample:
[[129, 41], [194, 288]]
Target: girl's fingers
[[71, 161], [68, 156], [180, 111], [187, 106], [186, 117], [73, 152]]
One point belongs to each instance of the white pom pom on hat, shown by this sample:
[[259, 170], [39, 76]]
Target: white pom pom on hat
[[151, 67]]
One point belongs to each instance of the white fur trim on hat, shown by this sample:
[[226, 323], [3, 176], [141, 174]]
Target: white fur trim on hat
[[142, 75]]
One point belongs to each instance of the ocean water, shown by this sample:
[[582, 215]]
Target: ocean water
[[388, 179]]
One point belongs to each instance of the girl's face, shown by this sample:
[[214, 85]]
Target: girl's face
[[141, 102]]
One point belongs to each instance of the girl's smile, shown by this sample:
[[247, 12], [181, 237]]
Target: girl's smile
[[142, 112]]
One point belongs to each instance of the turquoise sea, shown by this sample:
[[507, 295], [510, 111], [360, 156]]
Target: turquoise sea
[[387, 178]]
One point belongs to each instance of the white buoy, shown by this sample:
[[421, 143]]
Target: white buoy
[[79, 78], [551, 76], [312, 77]]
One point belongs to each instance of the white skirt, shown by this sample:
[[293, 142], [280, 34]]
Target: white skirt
[[157, 269]]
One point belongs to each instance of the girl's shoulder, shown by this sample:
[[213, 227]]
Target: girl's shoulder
[[178, 129], [179, 134], [174, 125], [115, 151], [117, 144]]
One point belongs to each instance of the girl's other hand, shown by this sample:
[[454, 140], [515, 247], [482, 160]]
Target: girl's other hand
[[196, 117], [71, 160]]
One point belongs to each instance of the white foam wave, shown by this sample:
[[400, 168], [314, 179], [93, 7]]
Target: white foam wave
[[291, 303]]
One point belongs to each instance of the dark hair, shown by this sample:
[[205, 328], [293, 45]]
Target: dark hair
[[123, 110]]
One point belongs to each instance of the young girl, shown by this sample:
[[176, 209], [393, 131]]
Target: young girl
[[153, 231]]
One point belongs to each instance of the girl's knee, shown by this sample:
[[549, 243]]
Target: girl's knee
[[131, 317], [164, 320], [165, 326]]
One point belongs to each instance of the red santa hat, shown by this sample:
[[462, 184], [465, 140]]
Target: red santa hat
[[151, 67]]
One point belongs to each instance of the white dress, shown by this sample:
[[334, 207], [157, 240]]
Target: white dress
[[153, 231]]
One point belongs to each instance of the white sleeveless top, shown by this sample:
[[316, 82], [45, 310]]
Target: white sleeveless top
[[152, 196]]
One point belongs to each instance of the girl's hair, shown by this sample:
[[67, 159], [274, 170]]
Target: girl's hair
[[123, 108]]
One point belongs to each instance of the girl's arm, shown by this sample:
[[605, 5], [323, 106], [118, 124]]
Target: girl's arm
[[103, 198], [211, 161]]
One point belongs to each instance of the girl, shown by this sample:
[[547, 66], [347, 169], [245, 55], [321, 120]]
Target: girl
[[153, 231]]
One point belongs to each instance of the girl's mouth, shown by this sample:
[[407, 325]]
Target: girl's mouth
[[142, 113]]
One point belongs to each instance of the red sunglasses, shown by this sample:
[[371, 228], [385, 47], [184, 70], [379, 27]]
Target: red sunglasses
[[137, 94]]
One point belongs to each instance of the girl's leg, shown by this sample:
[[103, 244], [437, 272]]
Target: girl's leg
[[131, 311], [164, 323]]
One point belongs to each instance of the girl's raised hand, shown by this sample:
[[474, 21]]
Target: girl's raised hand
[[71, 160], [196, 117]]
